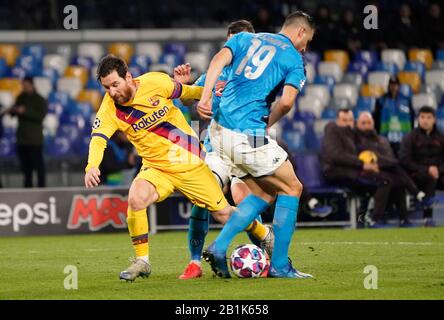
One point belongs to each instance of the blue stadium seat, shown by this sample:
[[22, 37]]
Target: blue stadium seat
[[30, 64], [86, 62], [52, 74], [366, 103], [84, 109], [17, 72], [143, 61], [81, 148], [7, 148], [293, 134], [171, 59], [176, 48], [389, 67], [308, 168], [59, 147], [440, 118], [61, 97], [329, 81], [135, 70], [36, 50], [328, 114], [360, 67], [440, 54], [406, 91], [55, 108], [416, 66], [4, 69], [94, 85], [369, 57], [312, 57]]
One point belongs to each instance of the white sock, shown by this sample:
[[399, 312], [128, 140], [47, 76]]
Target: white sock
[[196, 262], [144, 258]]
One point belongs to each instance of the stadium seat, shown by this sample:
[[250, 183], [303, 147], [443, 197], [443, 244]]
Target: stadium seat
[[435, 77], [50, 124], [135, 70], [423, 55], [32, 66], [93, 84], [310, 72], [379, 78], [52, 75], [369, 57], [17, 72], [438, 65], [55, 61], [4, 69], [9, 122], [310, 104], [372, 90], [93, 97], [434, 89], [12, 85], [55, 108], [319, 127], [396, 56], [340, 103], [171, 59], [123, 50], [9, 52], [70, 85], [423, 99], [330, 69], [368, 103], [312, 58], [329, 81], [92, 50], [360, 67], [347, 91], [161, 67], [411, 78], [64, 50], [353, 78], [339, 56], [151, 49], [78, 72], [328, 113], [309, 170], [206, 47], [35, 50], [7, 99], [440, 54], [86, 62], [61, 97], [59, 147], [390, 67], [176, 48], [416, 66], [7, 148], [43, 86], [318, 91], [198, 60], [142, 61], [406, 90]]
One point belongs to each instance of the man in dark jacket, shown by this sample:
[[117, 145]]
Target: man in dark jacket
[[368, 139], [422, 155], [30, 108], [342, 166]]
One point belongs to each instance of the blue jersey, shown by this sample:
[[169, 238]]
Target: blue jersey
[[262, 64], [216, 97]]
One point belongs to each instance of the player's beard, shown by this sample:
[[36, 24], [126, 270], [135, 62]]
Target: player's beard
[[125, 97]]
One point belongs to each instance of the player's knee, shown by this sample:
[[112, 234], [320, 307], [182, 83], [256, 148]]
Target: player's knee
[[138, 202], [294, 188]]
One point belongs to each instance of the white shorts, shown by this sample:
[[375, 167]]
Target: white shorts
[[246, 155], [219, 168]]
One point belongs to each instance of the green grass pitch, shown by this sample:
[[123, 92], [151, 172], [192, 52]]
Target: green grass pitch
[[410, 264]]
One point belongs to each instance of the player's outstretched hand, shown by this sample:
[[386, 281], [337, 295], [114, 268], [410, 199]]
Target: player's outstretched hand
[[204, 109], [92, 178], [182, 73]]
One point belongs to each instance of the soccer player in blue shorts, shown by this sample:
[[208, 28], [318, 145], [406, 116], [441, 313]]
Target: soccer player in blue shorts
[[198, 224], [261, 65]]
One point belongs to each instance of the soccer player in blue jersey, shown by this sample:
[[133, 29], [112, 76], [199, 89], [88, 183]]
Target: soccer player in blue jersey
[[198, 224], [261, 65]]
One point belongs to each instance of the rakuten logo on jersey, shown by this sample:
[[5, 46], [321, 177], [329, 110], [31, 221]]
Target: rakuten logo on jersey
[[98, 212], [24, 214]]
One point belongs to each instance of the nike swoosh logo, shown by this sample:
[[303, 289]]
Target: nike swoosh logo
[[127, 117], [220, 200]]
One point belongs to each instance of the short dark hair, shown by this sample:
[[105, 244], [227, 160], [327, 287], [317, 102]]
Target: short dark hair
[[300, 16], [239, 26], [29, 79], [427, 109], [111, 63], [342, 110]]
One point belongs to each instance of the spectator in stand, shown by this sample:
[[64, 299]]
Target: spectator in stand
[[342, 166], [394, 115], [348, 34], [30, 108], [405, 29], [422, 155], [367, 139], [433, 27]]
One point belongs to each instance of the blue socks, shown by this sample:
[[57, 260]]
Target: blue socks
[[197, 231], [245, 213], [284, 224]]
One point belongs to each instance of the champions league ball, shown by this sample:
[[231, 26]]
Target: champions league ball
[[248, 261]]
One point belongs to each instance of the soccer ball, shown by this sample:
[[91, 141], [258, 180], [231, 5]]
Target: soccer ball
[[248, 261]]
